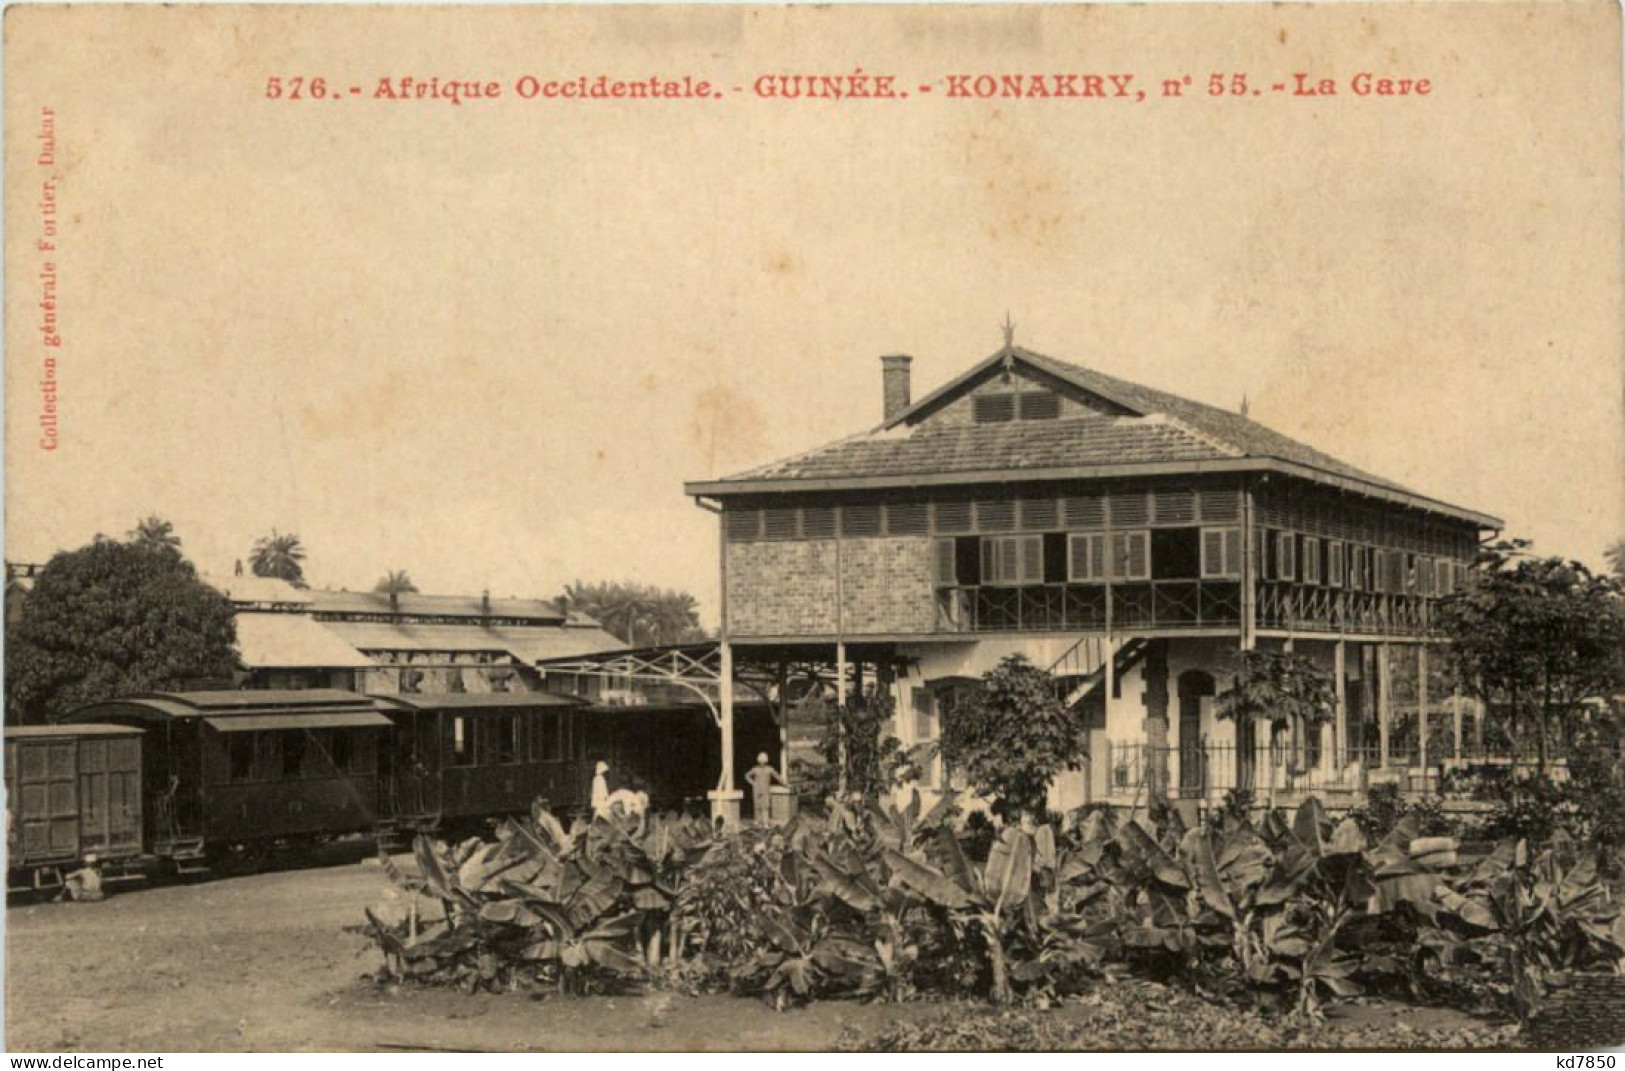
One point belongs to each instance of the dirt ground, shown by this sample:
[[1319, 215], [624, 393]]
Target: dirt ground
[[262, 963]]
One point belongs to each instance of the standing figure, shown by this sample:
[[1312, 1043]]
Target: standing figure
[[761, 778], [600, 788]]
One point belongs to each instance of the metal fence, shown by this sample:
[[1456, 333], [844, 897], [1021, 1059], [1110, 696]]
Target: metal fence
[[1272, 769]]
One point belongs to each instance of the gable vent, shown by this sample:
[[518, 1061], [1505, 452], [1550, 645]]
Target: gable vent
[[1040, 405], [994, 408]]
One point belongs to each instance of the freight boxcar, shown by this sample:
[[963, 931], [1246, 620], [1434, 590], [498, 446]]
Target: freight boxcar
[[73, 799], [231, 775]]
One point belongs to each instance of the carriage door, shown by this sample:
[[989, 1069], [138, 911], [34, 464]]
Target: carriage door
[[1194, 686]]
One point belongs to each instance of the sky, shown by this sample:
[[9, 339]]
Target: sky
[[487, 343]]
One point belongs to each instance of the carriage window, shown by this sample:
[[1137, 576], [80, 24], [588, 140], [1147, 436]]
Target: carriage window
[[462, 743], [343, 751], [549, 738], [505, 733], [240, 750], [293, 755]]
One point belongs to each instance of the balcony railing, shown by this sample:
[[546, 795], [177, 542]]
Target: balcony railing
[[1159, 604], [1299, 606]]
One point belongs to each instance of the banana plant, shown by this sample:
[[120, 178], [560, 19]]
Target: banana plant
[[994, 898]]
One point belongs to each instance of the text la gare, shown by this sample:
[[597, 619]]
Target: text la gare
[[1364, 84]]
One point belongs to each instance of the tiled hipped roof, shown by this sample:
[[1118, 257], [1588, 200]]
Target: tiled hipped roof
[[1166, 429]]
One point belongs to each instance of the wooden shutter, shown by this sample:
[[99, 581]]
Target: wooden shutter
[[946, 563], [907, 518], [1131, 555], [817, 522], [1221, 552], [1038, 514], [1040, 405], [743, 523], [1334, 564], [952, 516], [994, 408], [990, 561], [1285, 565], [1311, 560], [1087, 557], [1032, 559]]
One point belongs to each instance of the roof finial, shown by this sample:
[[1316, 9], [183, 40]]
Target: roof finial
[[1243, 403], [1009, 328]]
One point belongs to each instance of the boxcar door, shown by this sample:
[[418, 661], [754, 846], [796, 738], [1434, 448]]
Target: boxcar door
[[48, 800]]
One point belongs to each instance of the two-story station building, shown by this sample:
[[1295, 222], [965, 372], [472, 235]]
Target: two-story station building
[[1131, 540]]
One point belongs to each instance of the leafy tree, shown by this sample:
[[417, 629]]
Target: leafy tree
[[859, 757], [1539, 640], [1280, 689], [1012, 735], [395, 583], [154, 531], [640, 615], [279, 555], [111, 618], [1615, 554]]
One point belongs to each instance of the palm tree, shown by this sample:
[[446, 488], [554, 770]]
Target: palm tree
[[279, 555], [154, 531], [1615, 555], [395, 583]]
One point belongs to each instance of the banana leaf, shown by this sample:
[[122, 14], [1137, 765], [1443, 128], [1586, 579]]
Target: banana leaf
[[1009, 873], [926, 880]]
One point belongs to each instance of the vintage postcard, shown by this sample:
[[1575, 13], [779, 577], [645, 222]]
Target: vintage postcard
[[865, 528]]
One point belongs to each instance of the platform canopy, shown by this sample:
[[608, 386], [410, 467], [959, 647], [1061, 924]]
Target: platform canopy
[[242, 711]]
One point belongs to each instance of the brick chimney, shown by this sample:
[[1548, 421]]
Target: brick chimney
[[894, 384]]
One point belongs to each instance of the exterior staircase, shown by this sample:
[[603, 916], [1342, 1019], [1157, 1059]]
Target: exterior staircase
[[1082, 669]]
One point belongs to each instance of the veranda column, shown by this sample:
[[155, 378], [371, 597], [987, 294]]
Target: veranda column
[[1340, 714], [1384, 700], [1156, 719], [725, 800], [1422, 712]]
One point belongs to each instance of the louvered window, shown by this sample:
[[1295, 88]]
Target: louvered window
[[743, 524], [1086, 557], [1013, 560], [945, 563], [817, 522], [780, 524], [994, 408], [1426, 575], [1130, 508], [1038, 513], [1085, 511], [996, 516], [1311, 560], [1221, 505], [1040, 405], [1334, 563], [860, 520], [907, 518], [1175, 507], [1357, 568], [1221, 553], [1131, 555], [952, 516]]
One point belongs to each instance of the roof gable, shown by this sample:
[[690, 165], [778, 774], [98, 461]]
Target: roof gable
[[1107, 426]]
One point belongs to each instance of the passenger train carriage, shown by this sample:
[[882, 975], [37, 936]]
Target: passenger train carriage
[[211, 780]]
